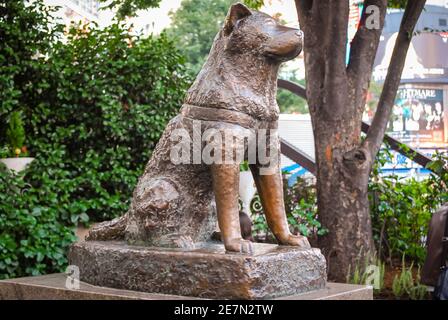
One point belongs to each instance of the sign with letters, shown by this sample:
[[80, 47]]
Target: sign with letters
[[418, 118]]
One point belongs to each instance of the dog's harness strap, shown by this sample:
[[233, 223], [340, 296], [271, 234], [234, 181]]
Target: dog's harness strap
[[216, 114]]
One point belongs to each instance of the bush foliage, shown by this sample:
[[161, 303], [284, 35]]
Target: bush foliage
[[301, 211], [94, 103], [402, 208], [33, 236]]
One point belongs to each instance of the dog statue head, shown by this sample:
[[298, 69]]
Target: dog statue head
[[241, 70], [259, 34]]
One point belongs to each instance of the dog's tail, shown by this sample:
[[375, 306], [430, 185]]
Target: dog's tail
[[109, 230]]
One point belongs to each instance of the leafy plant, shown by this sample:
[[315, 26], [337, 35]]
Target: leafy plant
[[289, 102], [401, 210], [301, 212], [129, 8], [34, 236], [439, 165], [404, 284], [369, 272], [4, 152], [110, 95], [15, 135], [244, 166], [303, 219], [195, 25], [254, 4]]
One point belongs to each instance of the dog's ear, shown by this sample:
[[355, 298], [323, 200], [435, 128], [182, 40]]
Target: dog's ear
[[237, 12]]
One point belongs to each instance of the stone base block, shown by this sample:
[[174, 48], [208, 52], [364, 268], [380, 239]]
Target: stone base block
[[207, 272]]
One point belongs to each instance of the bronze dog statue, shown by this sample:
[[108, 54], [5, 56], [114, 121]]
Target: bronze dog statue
[[175, 204]]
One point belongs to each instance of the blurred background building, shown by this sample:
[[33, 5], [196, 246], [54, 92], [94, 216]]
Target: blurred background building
[[81, 11], [420, 117]]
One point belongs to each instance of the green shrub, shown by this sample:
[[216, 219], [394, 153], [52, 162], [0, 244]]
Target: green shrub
[[102, 103], [108, 100], [301, 211], [33, 236], [195, 24], [94, 106], [369, 272], [301, 208], [15, 135], [402, 208], [405, 285], [27, 33]]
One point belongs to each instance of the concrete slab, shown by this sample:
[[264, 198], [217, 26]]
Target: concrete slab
[[53, 287], [336, 291]]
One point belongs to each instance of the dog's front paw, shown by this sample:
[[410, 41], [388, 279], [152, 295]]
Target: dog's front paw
[[239, 245], [293, 240]]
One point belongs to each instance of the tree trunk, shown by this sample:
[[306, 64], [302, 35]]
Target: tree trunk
[[342, 180], [336, 93], [336, 104]]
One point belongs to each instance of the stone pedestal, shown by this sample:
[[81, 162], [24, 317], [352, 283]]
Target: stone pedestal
[[207, 272]]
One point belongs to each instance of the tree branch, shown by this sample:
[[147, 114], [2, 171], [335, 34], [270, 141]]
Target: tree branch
[[314, 62], [336, 22], [365, 43], [334, 15], [325, 27], [363, 50], [378, 128], [364, 47]]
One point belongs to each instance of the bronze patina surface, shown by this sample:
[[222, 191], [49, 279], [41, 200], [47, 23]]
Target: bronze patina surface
[[207, 272], [176, 205]]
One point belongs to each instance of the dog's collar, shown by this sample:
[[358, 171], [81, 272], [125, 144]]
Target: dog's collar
[[220, 115]]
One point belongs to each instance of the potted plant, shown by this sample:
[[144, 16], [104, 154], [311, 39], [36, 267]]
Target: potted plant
[[15, 154], [247, 187]]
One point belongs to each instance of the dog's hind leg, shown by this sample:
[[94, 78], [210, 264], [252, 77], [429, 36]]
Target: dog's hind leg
[[270, 190], [225, 185]]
